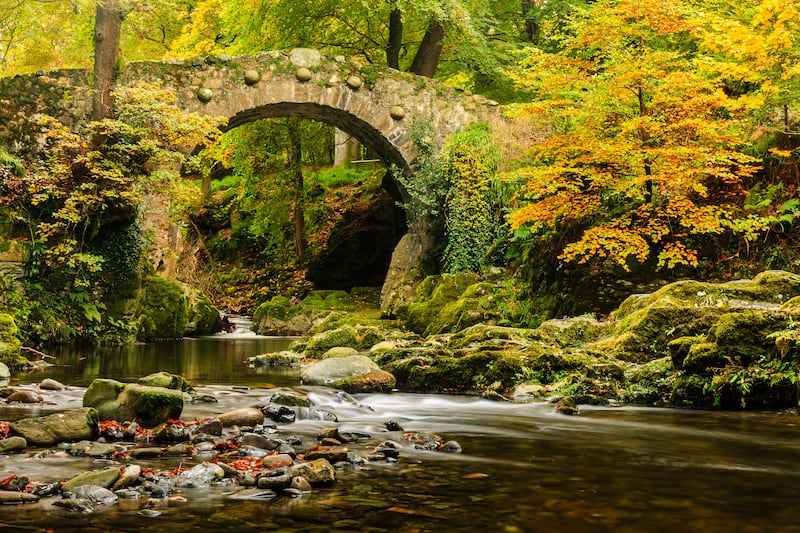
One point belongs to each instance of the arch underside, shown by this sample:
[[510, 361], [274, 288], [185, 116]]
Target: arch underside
[[364, 132]]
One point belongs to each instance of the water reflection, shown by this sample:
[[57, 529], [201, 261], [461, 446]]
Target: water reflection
[[217, 359]]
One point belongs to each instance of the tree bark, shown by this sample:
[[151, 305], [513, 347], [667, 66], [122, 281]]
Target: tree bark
[[531, 24], [427, 58], [296, 168], [107, 26], [395, 39]]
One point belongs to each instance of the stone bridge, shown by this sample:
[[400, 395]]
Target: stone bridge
[[377, 106]]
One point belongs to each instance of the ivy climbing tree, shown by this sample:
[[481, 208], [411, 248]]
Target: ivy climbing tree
[[473, 222]]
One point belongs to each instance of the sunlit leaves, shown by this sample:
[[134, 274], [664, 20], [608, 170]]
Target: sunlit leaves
[[92, 179], [757, 50], [640, 158]]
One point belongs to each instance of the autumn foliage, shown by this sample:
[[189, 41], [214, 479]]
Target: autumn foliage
[[642, 159]]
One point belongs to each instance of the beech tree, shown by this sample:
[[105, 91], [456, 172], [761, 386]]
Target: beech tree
[[640, 158], [758, 50]]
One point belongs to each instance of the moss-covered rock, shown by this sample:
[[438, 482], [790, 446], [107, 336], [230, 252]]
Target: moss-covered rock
[[744, 335], [481, 333], [66, 426], [432, 296], [573, 331], [649, 383], [320, 343], [282, 358], [203, 317], [286, 316], [447, 374], [149, 406], [679, 348], [704, 356], [163, 310], [355, 373], [339, 351], [10, 343], [167, 381]]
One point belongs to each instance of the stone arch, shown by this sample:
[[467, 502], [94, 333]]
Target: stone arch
[[364, 132]]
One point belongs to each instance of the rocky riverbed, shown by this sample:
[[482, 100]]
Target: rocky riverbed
[[250, 448]]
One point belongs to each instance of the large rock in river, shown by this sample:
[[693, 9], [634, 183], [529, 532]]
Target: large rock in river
[[149, 406], [356, 373], [71, 425]]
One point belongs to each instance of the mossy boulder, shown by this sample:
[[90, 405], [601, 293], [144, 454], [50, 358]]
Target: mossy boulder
[[282, 358], [66, 426], [649, 383], [167, 381], [467, 310], [282, 315], [704, 356], [10, 343], [358, 338], [745, 335], [431, 298], [573, 331], [679, 348], [645, 324], [163, 310], [450, 374], [149, 406], [339, 351], [355, 373], [203, 317], [480, 334]]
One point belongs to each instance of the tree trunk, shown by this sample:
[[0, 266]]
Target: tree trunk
[[395, 39], [531, 24], [107, 26], [427, 58], [296, 167]]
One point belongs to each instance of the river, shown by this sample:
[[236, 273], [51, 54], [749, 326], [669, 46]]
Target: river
[[524, 467]]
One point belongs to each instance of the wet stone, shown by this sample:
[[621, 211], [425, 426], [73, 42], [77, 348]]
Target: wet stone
[[51, 384], [259, 441], [25, 396], [279, 413], [144, 453], [276, 480], [332, 453], [210, 427], [12, 444]]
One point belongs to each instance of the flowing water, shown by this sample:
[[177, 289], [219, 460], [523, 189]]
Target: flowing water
[[524, 467]]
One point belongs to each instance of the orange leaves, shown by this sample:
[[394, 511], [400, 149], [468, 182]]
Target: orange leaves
[[676, 253], [608, 242]]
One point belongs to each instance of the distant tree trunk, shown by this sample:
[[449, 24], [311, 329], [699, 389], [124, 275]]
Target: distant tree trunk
[[531, 24], [296, 168], [427, 58], [395, 39], [107, 26]]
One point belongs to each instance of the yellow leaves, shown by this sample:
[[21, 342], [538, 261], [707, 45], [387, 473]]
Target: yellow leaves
[[780, 153], [608, 242], [676, 253]]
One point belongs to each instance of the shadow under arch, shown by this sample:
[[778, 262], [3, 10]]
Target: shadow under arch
[[341, 258]]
